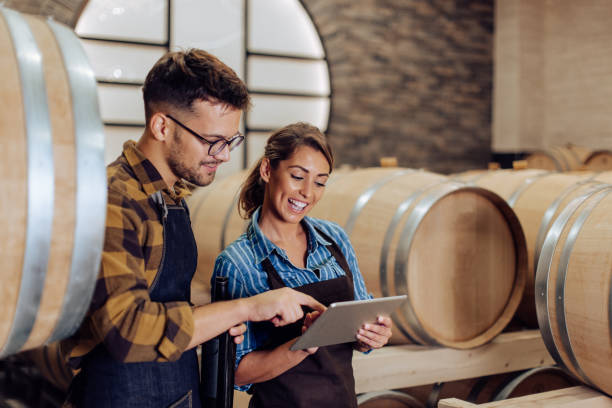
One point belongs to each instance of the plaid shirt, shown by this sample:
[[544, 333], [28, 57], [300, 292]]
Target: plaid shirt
[[241, 263], [122, 316]]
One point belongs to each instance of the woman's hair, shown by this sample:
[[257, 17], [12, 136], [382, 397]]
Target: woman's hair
[[280, 146]]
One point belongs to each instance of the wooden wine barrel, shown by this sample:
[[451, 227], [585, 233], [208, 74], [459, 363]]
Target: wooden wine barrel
[[52, 163], [387, 399], [574, 291], [599, 160], [558, 158], [537, 197], [457, 251]]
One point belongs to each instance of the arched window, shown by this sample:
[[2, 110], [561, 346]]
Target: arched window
[[272, 44]]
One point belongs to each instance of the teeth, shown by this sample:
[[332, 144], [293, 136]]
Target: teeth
[[298, 204]]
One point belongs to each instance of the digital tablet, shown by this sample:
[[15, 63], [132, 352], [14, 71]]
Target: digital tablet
[[341, 321]]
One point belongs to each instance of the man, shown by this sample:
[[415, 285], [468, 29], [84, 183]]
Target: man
[[135, 348]]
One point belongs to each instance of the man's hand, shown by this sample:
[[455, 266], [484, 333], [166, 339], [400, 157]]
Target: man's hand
[[374, 335], [280, 306]]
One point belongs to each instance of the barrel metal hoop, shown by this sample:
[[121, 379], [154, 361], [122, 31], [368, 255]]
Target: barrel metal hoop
[[543, 270], [403, 248], [573, 153], [91, 192], [565, 166], [399, 325], [550, 212], [399, 213], [40, 183], [367, 195], [562, 278], [505, 392], [517, 193], [395, 395], [401, 209]]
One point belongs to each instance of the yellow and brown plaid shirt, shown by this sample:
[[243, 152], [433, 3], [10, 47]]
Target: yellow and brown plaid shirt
[[121, 315]]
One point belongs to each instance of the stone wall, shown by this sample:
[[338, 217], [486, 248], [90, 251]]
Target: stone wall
[[411, 79]]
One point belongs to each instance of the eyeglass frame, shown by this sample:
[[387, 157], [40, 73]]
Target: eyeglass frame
[[223, 142]]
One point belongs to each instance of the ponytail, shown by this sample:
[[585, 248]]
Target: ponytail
[[251, 192]]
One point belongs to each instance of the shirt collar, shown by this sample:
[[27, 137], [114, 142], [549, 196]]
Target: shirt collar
[[314, 238], [148, 176], [263, 247]]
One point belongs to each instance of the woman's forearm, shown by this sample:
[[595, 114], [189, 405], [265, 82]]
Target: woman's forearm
[[263, 365]]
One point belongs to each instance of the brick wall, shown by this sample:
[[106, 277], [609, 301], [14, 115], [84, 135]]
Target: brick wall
[[411, 79]]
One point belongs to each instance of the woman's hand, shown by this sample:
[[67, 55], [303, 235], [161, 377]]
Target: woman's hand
[[374, 335], [237, 332], [308, 321]]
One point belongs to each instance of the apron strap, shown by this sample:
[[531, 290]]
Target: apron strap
[[336, 253]]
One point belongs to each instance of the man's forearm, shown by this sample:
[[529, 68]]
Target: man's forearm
[[215, 318]]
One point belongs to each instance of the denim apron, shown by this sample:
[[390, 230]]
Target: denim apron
[[105, 382], [323, 379]]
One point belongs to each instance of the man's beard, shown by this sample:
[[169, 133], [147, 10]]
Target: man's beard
[[180, 170]]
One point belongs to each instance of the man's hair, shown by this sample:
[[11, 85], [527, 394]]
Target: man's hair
[[180, 78]]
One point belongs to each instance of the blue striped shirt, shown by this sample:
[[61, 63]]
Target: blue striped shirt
[[241, 261]]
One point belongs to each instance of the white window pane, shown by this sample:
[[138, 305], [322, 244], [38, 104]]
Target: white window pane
[[282, 27], [140, 20], [121, 62], [287, 75], [272, 112], [121, 103], [256, 143], [115, 136], [212, 25]]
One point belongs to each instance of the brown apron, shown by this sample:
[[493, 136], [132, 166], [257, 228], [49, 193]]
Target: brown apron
[[323, 379]]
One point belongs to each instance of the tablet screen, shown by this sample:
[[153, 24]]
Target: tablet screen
[[341, 321]]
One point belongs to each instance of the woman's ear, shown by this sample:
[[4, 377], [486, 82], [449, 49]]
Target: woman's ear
[[265, 169]]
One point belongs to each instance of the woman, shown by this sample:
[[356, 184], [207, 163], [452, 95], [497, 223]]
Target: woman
[[283, 247]]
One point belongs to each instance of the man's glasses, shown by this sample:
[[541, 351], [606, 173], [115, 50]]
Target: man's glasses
[[217, 146]]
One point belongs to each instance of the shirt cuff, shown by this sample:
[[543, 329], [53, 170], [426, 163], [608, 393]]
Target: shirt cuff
[[178, 333]]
